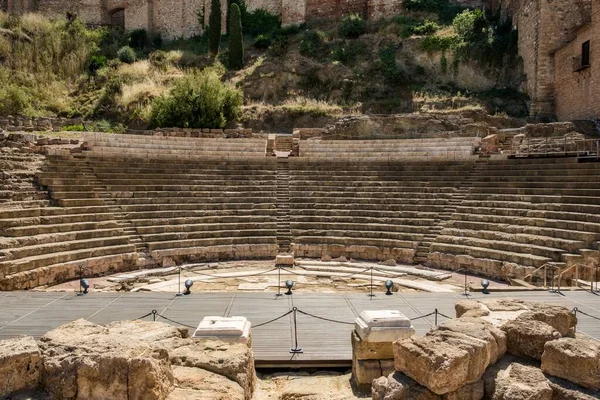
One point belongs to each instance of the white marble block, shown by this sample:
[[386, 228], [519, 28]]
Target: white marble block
[[383, 326], [227, 329]]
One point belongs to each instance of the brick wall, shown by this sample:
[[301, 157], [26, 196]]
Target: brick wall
[[578, 92], [381, 8], [544, 27], [334, 8]]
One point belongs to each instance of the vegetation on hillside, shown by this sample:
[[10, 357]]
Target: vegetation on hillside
[[324, 68]]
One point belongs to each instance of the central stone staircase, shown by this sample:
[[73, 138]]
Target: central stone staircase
[[284, 233]]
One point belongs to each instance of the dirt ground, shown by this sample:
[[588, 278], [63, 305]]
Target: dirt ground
[[321, 385]]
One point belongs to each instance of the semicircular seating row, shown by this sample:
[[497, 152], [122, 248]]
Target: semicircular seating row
[[133, 201]]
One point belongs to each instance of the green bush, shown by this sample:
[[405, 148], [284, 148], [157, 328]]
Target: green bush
[[96, 63], [73, 128], [444, 8], [260, 22], [352, 26], [138, 39], [127, 55], [13, 100], [159, 60], [280, 46], [426, 28], [197, 100], [388, 65], [236, 40], [262, 42], [347, 52], [470, 26], [312, 43], [440, 43], [214, 27]]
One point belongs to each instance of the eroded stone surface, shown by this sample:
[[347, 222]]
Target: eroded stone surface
[[20, 365], [526, 337], [521, 382], [450, 356], [398, 386], [84, 360], [577, 360], [199, 384]]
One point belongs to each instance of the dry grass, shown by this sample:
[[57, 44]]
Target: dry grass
[[140, 94]]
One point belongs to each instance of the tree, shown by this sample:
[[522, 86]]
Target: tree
[[236, 41], [214, 26]]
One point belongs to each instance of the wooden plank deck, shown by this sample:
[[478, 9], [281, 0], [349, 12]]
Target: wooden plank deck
[[324, 336]]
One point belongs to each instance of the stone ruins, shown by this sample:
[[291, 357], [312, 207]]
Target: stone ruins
[[495, 349]]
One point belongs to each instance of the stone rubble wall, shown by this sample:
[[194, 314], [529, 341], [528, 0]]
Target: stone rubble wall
[[496, 349], [125, 360]]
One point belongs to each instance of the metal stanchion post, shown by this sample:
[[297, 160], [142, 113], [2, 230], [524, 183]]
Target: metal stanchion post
[[371, 295], [295, 349], [179, 284], [279, 283]]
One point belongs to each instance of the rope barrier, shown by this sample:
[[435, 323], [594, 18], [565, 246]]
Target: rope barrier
[[273, 320], [145, 315], [578, 311], [175, 322], [325, 319]]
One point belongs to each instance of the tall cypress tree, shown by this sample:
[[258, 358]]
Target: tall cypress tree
[[236, 43], [214, 26]]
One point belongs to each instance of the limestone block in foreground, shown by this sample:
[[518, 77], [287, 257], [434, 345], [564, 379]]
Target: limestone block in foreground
[[527, 337], [85, 360], [372, 353], [500, 311], [383, 326], [20, 365], [227, 329], [577, 360], [398, 386], [520, 382], [454, 354], [233, 361], [195, 383]]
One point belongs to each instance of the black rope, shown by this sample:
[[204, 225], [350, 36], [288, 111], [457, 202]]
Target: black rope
[[144, 316], [273, 320], [325, 319], [291, 272], [423, 316], [445, 316], [578, 311], [175, 322]]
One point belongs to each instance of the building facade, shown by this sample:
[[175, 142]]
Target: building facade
[[551, 33]]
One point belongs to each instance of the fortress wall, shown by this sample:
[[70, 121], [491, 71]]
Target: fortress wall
[[272, 6], [334, 8], [578, 92], [381, 8], [544, 27]]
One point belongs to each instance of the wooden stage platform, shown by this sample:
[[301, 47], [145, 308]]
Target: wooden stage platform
[[324, 343]]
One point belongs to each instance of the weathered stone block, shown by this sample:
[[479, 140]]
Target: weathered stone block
[[527, 338], [383, 326], [85, 360], [20, 365], [577, 360], [365, 371], [398, 386], [521, 382], [365, 350], [227, 329]]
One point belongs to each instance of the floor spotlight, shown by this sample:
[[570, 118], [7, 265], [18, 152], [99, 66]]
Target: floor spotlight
[[484, 284], [85, 284], [289, 284], [188, 286], [388, 286]]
